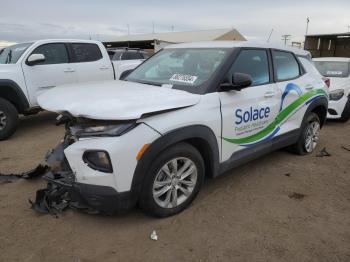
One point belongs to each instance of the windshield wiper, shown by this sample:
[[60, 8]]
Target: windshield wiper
[[147, 83]]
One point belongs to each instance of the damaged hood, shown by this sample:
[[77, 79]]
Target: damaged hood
[[114, 100]]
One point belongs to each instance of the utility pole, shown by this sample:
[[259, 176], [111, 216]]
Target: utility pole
[[268, 39], [286, 38], [307, 26], [153, 27]]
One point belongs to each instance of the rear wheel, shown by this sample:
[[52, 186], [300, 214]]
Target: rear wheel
[[8, 119], [173, 181], [309, 137]]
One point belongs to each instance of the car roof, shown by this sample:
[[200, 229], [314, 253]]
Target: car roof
[[332, 59], [235, 44], [46, 41]]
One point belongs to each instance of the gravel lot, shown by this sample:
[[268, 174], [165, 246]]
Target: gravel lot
[[279, 208]]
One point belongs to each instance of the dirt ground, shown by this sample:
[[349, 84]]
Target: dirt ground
[[279, 208]]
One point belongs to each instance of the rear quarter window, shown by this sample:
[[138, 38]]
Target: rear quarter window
[[285, 65]]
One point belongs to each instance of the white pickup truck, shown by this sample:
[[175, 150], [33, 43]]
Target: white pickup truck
[[28, 69]]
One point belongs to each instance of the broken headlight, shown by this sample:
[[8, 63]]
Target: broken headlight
[[336, 94], [101, 129]]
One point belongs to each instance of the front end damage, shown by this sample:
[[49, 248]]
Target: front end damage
[[64, 191]]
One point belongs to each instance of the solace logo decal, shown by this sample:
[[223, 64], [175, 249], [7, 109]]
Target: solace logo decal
[[272, 129]]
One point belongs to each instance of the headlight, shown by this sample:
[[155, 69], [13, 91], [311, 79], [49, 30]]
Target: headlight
[[336, 94], [101, 130], [98, 160]]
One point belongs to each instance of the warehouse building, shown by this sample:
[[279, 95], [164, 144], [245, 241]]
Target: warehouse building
[[328, 45], [155, 41]]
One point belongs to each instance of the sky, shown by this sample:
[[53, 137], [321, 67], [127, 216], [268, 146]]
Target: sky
[[22, 20]]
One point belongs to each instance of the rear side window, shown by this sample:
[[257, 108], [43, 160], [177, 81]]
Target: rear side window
[[332, 68], [254, 63], [55, 53], [85, 52], [286, 66]]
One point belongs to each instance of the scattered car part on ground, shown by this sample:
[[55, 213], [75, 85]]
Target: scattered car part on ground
[[29, 69], [337, 69], [345, 148], [154, 236], [191, 110], [34, 173], [323, 153], [296, 196]]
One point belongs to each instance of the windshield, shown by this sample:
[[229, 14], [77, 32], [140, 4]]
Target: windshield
[[182, 68], [332, 68], [11, 54]]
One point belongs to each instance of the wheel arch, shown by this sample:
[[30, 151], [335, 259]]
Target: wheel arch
[[200, 137], [10, 91], [318, 106]]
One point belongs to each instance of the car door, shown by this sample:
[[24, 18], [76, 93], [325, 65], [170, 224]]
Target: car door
[[293, 82], [248, 115], [55, 70], [89, 62]]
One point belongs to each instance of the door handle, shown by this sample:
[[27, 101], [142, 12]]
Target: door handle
[[309, 86], [269, 94], [68, 70], [104, 67]]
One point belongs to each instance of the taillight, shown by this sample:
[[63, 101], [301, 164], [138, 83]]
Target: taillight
[[327, 81]]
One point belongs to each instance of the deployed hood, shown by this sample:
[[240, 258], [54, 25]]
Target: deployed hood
[[114, 100]]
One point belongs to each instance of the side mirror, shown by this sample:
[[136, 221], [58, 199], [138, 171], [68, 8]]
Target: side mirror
[[125, 74], [237, 82], [34, 59]]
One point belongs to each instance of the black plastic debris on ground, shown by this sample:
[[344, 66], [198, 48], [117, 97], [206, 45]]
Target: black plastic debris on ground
[[345, 148], [323, 153], [296, 196], [36, 172]]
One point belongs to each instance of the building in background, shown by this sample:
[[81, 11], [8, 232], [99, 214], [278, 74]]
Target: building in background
[[328, 45], [156, 41]]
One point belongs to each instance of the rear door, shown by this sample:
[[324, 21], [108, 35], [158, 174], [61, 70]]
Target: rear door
[[90, 63], [248, 115], [55, 70]]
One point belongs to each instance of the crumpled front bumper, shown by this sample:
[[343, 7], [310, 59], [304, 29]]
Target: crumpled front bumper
[[63, 191]]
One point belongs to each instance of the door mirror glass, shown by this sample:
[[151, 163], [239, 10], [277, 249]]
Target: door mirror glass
[[35, 59], [238, 81]]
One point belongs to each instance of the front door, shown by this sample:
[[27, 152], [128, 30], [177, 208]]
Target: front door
[[54, 71], [248, 116]]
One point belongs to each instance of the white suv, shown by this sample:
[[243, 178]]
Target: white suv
[[337, 69], [190, 111]]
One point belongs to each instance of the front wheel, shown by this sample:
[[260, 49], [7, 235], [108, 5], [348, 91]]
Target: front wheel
[[310, 135], [173, 181], [8, 119]]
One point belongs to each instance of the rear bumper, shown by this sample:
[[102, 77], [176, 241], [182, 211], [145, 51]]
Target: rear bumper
[[337, 109], [102, 199]]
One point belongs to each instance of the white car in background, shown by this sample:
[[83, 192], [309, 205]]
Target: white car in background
[[337, 69]]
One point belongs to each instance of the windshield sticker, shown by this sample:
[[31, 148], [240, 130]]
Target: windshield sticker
[[188, 79]]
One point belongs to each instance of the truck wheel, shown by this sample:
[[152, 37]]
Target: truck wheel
[[310, 135], [346, 113], [8, 119], [172, 181]]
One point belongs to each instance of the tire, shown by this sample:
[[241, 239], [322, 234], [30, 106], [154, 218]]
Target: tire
[[152, 200], [310, 131], [346, 113], [8, 119]]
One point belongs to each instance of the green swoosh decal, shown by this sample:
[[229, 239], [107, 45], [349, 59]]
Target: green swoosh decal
[[278, 120]]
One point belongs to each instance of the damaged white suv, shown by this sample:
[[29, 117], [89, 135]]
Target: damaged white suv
[[190, 111]]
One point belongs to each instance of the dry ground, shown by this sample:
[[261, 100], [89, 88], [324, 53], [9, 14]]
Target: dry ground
[[247, 215]]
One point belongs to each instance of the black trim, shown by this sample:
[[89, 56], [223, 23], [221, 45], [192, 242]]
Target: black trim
[[199, 136], [346, 111], [94, 166], [12, 92]]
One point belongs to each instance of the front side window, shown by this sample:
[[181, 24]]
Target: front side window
[[286, 66], [54, 53], [182, 68], [11, 54], [333, 68], [86, 52], [254, 63]]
